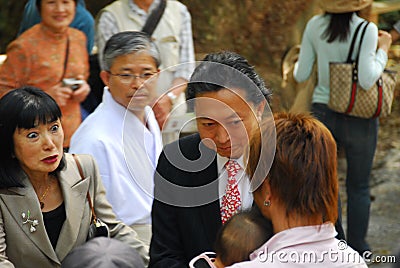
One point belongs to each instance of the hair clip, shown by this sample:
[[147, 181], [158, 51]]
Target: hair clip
[[28, 220]]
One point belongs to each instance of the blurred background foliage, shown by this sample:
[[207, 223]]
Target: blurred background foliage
[[388, 19], [261, 30]]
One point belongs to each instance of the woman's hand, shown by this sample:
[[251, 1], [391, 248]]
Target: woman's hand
[[164, 105], [384, 40], [161, 110], [81, 93], [60, 94]]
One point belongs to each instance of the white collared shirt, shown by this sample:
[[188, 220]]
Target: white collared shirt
[[126, 152], [243, 182]]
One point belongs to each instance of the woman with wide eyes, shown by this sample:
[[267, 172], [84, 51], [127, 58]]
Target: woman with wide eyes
[[44, 210], [45, 55]]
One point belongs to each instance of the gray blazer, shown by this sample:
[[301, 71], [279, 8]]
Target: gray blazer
[[19, 247]]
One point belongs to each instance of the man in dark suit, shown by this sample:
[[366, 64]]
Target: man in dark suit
[[229, 99]]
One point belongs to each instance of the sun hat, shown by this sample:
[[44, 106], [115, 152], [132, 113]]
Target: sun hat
[[343, 6]]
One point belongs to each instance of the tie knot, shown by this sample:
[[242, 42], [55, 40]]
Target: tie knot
[[232, 167]]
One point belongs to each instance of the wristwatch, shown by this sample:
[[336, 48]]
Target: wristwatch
[[172, 97]]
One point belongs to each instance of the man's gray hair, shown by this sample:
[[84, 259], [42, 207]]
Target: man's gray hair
[[124, 43]]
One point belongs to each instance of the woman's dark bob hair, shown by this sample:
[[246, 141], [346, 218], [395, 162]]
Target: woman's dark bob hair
[[39, 4], [24, 107]]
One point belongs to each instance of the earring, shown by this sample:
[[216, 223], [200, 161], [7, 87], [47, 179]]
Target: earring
[[267, 203]]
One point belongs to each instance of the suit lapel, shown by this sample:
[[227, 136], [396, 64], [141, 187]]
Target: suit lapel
[[210, 213], [74, 191], [24, 200]]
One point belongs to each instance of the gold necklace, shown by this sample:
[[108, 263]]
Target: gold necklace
[[44, 195]]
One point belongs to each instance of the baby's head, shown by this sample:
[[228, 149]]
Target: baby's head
[[240, 236]]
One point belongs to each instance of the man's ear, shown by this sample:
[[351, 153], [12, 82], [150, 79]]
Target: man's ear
[[105, 77]]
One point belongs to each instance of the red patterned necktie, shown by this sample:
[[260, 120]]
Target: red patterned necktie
[[231, 202]]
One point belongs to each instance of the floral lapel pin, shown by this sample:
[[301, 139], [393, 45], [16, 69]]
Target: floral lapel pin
[[28, 220]]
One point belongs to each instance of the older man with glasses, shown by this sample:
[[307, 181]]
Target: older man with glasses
[[122, 133]]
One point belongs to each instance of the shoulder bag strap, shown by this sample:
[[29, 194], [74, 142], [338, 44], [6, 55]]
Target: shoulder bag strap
[[94, 218], [154, 18], [361, 39], [353, 41], [355, 72]]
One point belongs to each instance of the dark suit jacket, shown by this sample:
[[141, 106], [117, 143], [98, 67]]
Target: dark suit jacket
[[185, 220], [185, 216]]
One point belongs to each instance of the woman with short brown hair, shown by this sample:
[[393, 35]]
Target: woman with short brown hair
[[298, 193]]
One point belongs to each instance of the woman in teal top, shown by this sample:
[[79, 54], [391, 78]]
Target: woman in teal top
[[327, 39]]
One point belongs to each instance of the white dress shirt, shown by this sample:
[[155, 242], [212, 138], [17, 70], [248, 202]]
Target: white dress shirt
[[126, 152], [246, 196]]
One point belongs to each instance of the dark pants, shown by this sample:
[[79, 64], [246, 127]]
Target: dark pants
[[358, 137]]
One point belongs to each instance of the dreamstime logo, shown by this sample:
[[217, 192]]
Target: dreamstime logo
[[339, 255], [310, 256], [367, 255], [369, 258], [342, 244], [201, 157]]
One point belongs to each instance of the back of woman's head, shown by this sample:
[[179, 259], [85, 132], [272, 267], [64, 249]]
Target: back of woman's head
[[303, 174], [240, 236], [24, 108], [103, 252], [340, 13], [338, 27]]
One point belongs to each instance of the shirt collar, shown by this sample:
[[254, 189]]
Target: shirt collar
[[141, 12], [221, 161], [108, 100]]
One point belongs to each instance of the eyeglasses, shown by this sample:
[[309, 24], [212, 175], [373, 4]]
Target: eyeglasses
[[128, 78], [204, 260]]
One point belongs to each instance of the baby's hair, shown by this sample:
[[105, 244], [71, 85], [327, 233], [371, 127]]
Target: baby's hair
[[241, 235]]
